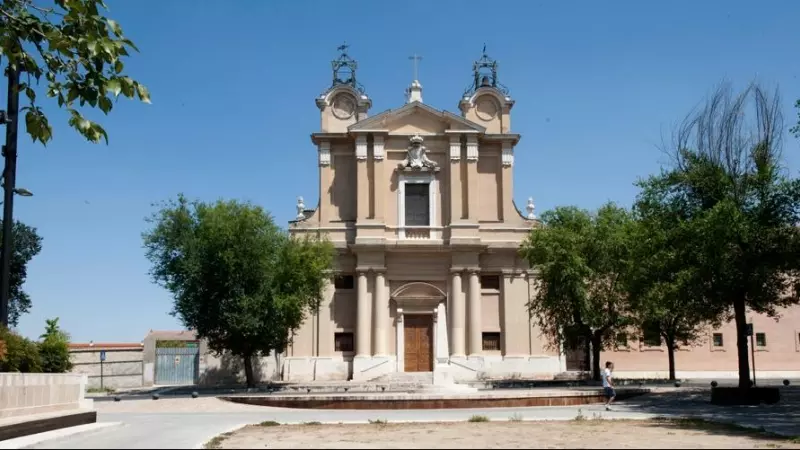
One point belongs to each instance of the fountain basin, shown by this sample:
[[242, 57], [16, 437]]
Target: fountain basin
[[436, 400]]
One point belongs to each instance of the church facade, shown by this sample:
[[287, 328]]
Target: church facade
[[419, 204]]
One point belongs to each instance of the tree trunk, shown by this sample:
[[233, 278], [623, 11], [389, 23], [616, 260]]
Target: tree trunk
[[248, 370], [671, 357], [741, 341], [597, 346]]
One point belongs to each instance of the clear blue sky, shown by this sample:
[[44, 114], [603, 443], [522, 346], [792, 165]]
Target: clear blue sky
[[233, 84]]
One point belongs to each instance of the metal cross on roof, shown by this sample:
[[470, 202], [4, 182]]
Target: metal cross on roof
[[416, 58]]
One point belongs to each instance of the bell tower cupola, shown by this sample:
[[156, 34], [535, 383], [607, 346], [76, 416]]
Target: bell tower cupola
[[486, 101], [345, 102]]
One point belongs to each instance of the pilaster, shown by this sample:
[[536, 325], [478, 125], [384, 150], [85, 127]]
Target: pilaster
[[379, 176], [325, 180], [362, 179], [472, 178], [456, 188]]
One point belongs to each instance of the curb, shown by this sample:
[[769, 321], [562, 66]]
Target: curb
[[34, 439]]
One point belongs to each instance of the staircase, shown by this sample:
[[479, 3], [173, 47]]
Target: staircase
[[405, 380]]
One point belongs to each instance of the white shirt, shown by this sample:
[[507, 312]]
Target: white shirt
[[606, 375]]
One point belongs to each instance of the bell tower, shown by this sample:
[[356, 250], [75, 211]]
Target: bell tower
[[486, 101], [345, 101]]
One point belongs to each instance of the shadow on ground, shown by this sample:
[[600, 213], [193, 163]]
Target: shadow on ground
[[782, 418]]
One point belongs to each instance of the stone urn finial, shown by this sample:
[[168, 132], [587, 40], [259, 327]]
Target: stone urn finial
[[301, 207], [531, 208]]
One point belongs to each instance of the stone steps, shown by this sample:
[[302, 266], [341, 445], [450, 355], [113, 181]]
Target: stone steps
[[409, 379]]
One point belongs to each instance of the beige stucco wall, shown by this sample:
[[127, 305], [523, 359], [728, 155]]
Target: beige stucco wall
[[781, 355]]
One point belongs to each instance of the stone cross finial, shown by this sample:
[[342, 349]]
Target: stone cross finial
[[301, 207], [531, 208]]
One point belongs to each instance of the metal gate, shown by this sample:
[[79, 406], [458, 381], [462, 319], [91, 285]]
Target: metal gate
[[177, 365]]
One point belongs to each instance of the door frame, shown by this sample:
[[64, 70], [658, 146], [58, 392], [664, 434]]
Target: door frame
[[401, 334], [430, 323]]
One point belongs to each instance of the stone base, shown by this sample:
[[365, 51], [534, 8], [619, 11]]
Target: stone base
[[315, 369], [371, 367], [489, 367]]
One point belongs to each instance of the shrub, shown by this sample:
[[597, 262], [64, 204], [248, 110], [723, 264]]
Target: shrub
[[22, 355], [54, 349]]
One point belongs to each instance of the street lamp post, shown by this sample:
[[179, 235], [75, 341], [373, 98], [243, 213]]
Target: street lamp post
[[9, 178]]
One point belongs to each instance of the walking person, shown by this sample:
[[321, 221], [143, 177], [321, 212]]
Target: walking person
[[608, 384]]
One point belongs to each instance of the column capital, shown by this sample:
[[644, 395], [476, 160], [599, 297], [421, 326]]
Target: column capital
[[456, 270], [369, 270], [473, 271]]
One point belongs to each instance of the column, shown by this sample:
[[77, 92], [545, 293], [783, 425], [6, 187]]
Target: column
[[457, 317], [362, 311], [401, 345], [474, 313], [380, 308]]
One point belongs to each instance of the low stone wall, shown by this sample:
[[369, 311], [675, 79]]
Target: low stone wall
[[122, 368], [24, 394]]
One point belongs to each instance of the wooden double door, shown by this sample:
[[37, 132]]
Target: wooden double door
[[418, 333]]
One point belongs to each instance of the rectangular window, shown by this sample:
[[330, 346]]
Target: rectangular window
[[716, 339], [491, 341], [622, 340], [418, 205], [761, 339], [343, 282], [490, 282], [651, 336], [343, 342]]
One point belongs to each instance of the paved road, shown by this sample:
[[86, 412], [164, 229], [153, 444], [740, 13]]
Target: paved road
[[192, 429], [188, 423]]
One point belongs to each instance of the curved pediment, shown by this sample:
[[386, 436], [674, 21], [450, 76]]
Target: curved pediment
[[418, 291]]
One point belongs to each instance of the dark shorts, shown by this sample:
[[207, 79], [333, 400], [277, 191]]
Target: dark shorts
[[609, 391]]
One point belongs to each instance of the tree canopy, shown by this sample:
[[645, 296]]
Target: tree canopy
[[77, 50], [27, 244], [581, 260], [664, 286], [728, 185], [237, 279]]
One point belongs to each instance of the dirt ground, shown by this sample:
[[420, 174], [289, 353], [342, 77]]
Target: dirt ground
[[603, 434]]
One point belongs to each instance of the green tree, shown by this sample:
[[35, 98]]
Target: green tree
[[54, 349], [22, 355], [663, 287], [582, 261], [77, 50], [237, 279], [796, 128], [27, 244], [739, 205]]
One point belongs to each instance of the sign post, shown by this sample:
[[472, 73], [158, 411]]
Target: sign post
[[752, 350], [102, 360]]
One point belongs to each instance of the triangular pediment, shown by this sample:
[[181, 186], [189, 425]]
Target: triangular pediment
[[414, 118]]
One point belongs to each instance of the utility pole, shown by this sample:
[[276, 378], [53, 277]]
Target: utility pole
[[9, 180]]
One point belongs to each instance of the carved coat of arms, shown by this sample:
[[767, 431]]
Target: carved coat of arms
[[417, 157]]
